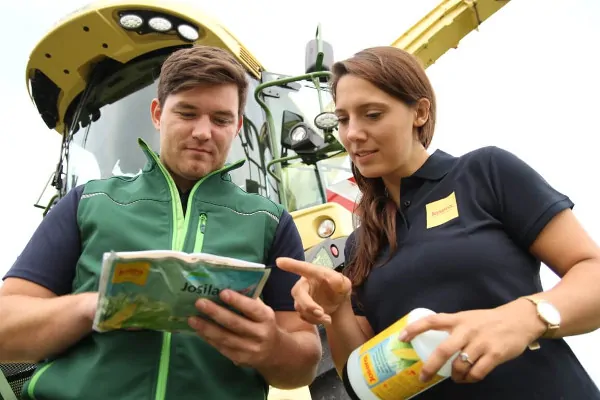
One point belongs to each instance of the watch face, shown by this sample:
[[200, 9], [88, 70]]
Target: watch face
[[549, 313]]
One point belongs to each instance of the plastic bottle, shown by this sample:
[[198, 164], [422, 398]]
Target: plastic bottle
[[384, 368]]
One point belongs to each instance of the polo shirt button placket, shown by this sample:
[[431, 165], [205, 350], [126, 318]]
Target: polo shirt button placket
[[402, 213]]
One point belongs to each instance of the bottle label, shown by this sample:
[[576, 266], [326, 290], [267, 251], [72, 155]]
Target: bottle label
[[390, 367]]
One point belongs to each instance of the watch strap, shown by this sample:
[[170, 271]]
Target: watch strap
[[550, 331]]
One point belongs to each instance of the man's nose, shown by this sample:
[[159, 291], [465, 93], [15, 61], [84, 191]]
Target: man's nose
[[202, 128]]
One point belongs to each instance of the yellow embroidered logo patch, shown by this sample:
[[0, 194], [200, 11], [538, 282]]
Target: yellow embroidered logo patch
[[441, 211]]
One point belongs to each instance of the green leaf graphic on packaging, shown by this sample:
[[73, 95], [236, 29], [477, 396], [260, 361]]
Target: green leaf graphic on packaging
[[400, 355]]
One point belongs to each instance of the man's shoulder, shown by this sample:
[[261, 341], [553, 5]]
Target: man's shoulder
[[70, 201], [123, 189], [249, 203], [104, 184]]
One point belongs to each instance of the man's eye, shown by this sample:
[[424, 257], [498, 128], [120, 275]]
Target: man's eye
[[222, 121], [186, 115]]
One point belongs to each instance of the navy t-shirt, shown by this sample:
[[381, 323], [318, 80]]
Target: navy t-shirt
[[464, 229], [50, 257]]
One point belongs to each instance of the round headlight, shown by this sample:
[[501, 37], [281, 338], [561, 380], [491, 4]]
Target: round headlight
[[326, 120], [188, 32], [131, 21], [326, 228], [160, 24], [299, 134]]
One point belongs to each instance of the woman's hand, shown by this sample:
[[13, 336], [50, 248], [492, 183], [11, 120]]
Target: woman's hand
[[484, 339], [319, 292]]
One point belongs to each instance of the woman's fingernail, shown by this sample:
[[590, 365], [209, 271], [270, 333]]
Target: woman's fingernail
[[403, 335]]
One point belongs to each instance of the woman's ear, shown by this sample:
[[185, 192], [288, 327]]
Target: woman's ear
[[421, 112]]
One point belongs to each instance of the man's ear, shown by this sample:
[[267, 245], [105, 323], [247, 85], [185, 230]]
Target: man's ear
[[155, 113], [421, 112], [240, 124]]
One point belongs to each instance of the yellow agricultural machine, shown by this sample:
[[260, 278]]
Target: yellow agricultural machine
[[92, 78]]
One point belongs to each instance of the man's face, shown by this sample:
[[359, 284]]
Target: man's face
[[196, 128]]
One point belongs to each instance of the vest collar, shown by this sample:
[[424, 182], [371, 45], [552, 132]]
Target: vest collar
[[153, 159]]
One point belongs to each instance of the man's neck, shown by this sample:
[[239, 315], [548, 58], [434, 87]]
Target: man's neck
[[184, 189], [183, 185]]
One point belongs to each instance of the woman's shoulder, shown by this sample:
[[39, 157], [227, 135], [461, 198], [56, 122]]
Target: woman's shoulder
[[488, 154], [492, 160]]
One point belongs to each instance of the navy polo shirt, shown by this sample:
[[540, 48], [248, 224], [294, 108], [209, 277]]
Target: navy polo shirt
[[464, 228]]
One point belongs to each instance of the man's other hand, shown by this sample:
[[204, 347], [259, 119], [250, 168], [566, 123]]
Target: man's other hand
[[248, 339]]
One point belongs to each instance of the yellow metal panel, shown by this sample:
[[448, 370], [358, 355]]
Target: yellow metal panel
[[91, 33], [444, 26], [308, 219]]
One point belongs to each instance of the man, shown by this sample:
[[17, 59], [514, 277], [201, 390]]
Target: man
[[184, 201]]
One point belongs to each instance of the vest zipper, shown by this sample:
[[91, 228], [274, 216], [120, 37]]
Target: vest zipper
[[180, 224], [180, 229], [200, 234]]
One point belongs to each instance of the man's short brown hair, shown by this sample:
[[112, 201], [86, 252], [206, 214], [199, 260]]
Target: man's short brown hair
[[187, 68]]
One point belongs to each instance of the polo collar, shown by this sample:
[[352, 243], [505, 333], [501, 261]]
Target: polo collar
[[437, 166]]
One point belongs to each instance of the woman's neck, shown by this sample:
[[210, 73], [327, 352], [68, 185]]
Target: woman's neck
[[393, 180]]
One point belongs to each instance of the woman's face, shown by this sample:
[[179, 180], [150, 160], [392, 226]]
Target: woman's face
[[378, 131]]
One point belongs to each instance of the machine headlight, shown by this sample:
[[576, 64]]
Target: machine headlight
[[298, 134], [131, 21], [188, 32], [326, 228], [304, 139], [160, 24], [326, 121]]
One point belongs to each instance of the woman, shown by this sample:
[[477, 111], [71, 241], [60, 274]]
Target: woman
[[463, 236]]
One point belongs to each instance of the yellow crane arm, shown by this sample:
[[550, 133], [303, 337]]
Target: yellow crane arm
[[444, 26]]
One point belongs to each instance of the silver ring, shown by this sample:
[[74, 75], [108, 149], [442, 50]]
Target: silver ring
[[465, 357]]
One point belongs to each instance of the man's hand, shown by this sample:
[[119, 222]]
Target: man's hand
[[37, 324], [88, 303], [247, 339]]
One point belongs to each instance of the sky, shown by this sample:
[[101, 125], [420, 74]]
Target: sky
[[527, 81]]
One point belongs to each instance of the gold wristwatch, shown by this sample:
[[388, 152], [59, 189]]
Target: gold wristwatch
[[549, 315]]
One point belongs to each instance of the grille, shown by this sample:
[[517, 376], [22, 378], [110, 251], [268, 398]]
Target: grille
[[250, 61], [17, 375]]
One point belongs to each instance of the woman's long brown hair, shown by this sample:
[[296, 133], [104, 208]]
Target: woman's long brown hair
[[399, 74]]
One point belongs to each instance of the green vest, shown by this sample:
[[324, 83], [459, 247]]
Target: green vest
[[141, 213]]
